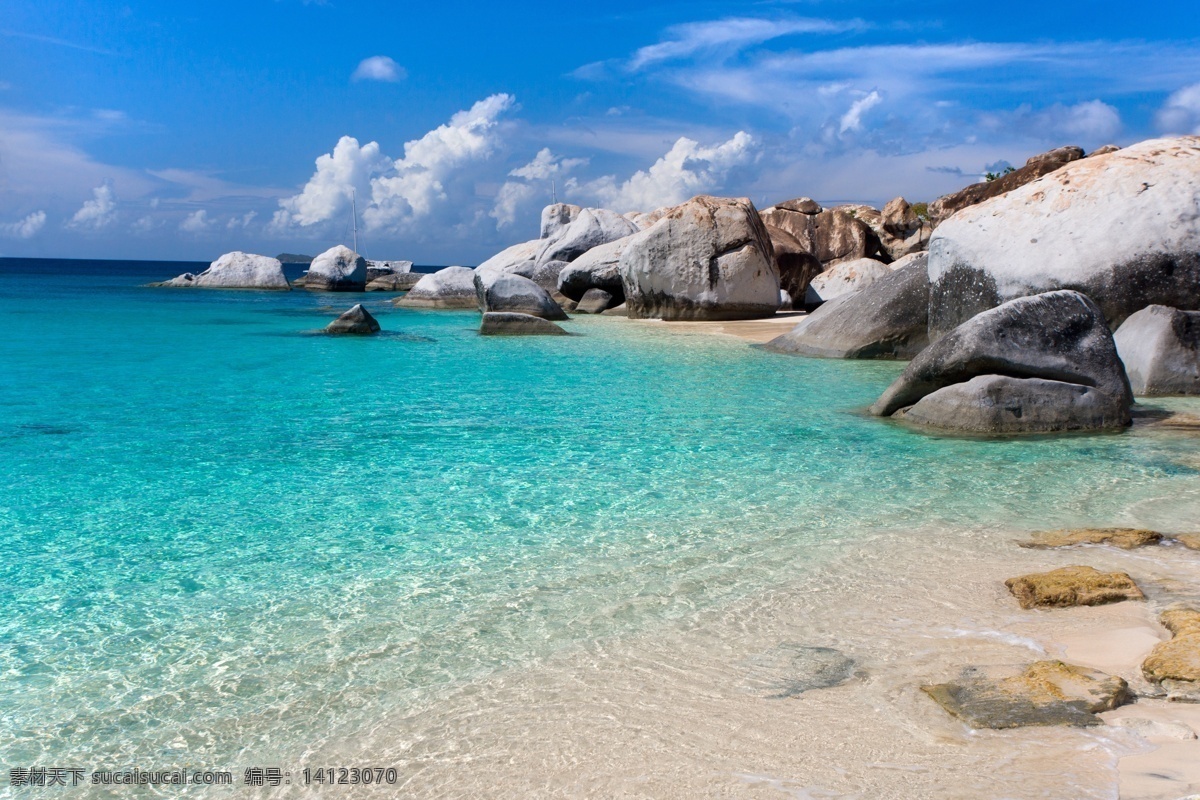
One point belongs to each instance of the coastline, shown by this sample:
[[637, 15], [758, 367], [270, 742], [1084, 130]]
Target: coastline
[[691, 709], [757, 331]]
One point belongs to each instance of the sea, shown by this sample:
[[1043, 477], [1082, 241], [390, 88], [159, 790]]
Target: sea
[[230, 542]]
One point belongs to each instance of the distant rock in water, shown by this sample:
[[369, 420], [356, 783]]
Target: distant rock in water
[[707, 259], [398, 282], [236, 270], [449, 288], [507, 323], [357, 321], [1035, 364], [1160, 347], [338, 269], [378, 269], [1121, 228]]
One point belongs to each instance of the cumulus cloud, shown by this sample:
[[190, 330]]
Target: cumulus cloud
[[393, 194], [25, 228], [241, 222], [145, 224], [1089, 122], [686, 170], [544, 167], [1181, 113], [97, 213], [195, 222], [379, 68]]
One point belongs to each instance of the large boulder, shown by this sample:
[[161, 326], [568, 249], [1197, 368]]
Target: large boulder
[[396, 282], [831, 236], [236, 270], [797, 266], [1035, 364], [844, 278], [598, 268], [356, 321], [592, 228], [557, 216], [1123, 228], [452, 287], [338, 269], [1160, 347], [707, 259], [515, 293], [378, 269], [508, 323], [887, 319], [511, 259], [901, 232], [1035, 167], [594, 301]]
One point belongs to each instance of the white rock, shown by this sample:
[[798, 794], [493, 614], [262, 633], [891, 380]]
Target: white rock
[[707, 259], [1155, 728], [598, 268], [237, 270], [1160, 347], [337, 269], [592, 228], [557, 216], [452, 287], [1123, 228], [846, 277], [512, 258]]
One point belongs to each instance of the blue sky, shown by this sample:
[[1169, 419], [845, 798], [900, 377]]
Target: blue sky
[[187, 129]]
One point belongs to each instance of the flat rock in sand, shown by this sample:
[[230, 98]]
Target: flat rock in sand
[[1073, 586], [1045, 693], [1176, 663], [1189, 540], [1124, 538]]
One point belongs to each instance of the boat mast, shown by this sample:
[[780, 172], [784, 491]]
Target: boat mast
[[354, 216]]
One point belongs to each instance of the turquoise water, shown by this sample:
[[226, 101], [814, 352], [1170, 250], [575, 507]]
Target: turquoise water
[[228, 540]]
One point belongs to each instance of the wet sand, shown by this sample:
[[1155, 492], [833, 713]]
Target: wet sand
[[757, 331], [709, 707]]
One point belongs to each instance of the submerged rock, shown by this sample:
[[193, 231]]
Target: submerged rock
[[1124, 538], [236, 270], [517, 294], [1073, 586], [1035, 364], [594, 301], [452, 287], [338, 269], [357, 321], [507, 323], [1045, 693], [1120, 228], [395, 282], [707, 259], [887, 319], [790, 670], [1160, 347]]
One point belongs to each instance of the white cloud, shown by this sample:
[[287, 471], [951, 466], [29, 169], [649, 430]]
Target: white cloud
[[379, 68], [241, 222], [852, 120], [195, 222], [393, 194], [686, 170], [1181, 113], [25, 228], [97, 213], [1090, 121], [545, 166], [145, 224], [729, 35]]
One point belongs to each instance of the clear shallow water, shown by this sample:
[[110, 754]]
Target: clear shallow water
[[229, 541]]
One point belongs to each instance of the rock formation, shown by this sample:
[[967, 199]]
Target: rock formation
[[1035, 364], [1122, 228], [338, 269], [452, 287], [515, 293], [236, 270], [1160, 347], [356, 321], [707, 259]]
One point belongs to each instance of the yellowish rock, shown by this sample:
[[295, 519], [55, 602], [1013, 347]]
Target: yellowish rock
[[1125, 538], [1177, 661], [1073, 586], [1189, 540], [1045, 693]]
